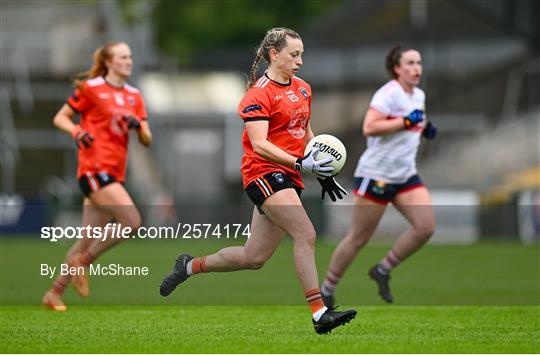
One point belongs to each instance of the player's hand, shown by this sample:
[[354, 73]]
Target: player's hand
[[430, 131], [414, 118], [331, 186], [132, 122], [309, 164], [82, 138]]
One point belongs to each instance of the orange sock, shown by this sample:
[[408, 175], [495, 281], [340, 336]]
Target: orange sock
[[314, 299], [199, 265]]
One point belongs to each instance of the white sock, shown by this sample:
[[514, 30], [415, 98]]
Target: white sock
[[327, 290], [189, 267], [330, 283], [382, 270], [317, 315]]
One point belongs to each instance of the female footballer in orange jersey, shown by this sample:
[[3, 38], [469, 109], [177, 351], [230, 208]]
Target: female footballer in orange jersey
[[276, 112], [109, 108], [386, 172]]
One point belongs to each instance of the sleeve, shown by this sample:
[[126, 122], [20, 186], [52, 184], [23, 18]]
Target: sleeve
[[79, 100], [141, 109], [382, 101], [254, 106], [423, 98]]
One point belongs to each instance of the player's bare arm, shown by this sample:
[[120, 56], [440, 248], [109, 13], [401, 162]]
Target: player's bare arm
[[377, 123], [64, 119], [258, 133], [309, 133], [144, 134]]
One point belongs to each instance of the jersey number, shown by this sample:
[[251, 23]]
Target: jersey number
[[293, 97]]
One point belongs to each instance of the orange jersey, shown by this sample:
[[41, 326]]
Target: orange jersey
[[287, 108], [102, 108]]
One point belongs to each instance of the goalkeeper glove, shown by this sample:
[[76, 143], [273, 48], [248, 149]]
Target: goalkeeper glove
[[82, 138], [309, 164], [331, 186], [132, 122], [413, 118], [430, 131]]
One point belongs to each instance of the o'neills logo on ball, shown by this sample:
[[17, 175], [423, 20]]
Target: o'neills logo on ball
[[325, 148]]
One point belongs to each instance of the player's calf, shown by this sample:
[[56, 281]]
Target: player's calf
[[80, 262]]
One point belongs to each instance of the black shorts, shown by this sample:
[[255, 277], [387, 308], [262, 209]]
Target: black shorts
[[93, 182], [381, 192], [261, 188]]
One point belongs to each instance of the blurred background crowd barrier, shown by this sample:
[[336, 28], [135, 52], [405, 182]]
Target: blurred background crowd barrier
[[481, 77]]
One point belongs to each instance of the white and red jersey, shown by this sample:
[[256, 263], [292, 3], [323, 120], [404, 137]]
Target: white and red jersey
[[102, 107], [391, 158], [287, 108]]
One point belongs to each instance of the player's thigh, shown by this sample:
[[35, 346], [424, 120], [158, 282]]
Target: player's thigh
[[265, 237], [115, 200], [94, 215], [285, 210], [417, 207], [366, 216]]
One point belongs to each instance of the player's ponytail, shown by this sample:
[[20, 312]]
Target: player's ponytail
[[99, 67], [275, 38], [253, 72], [392, 59]]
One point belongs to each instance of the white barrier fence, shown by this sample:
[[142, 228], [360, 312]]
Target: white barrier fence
[[456, 213]]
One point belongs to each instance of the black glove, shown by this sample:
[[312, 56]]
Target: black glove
[[430, 131], [132, 122], [330, 185], [82, 138]]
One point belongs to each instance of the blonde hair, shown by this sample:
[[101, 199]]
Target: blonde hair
[[275, 38], [99, 67]]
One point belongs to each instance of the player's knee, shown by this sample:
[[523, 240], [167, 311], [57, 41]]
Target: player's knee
[[358, 243], [305, 236], [255, 262], [310, 236], [425, 229], [134, 222], [357, 238], [136, 225]]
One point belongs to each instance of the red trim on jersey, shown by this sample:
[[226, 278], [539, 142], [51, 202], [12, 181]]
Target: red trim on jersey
[[378, 110], [417, 128], [388, 117]]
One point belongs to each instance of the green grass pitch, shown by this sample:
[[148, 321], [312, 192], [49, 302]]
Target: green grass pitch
[[449, 299]]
